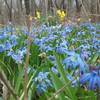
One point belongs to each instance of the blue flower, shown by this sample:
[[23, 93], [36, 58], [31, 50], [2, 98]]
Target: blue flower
[[68, 29], [18, 55], [3, 35], [54, 69], [1, 48], [42, 82], [85, 54], [89, 26], [13, 39], [74, 60], [92, 78], [74, 82], [62, 47], [61, 50], [7, 45], [48, 48], [52, 59], [17, 58]]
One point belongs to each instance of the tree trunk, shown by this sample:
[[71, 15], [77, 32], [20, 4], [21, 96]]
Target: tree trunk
[[27, 6], [78, 8]]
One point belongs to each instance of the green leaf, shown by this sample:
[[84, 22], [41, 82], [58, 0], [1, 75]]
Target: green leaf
[[69, 89], [58, 84], [19, 80]]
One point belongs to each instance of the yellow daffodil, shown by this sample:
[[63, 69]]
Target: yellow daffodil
[[61, 14], [38, 15]]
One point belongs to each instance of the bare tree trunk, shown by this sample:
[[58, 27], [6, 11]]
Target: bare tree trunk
[[98, 10], [1, 15], [78, 8], [9, 9], [27, 6], [93, 10]]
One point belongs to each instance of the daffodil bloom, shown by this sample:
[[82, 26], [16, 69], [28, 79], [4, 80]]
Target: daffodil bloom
[[61, 14], [38, 15]]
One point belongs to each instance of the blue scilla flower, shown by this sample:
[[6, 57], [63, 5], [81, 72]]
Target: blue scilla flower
[[61, 50], [51, 37], [14, 42], [64, 43], [74, 81], [22, 51], [51, 58], [40, 42], [92, 79], [62, 47], [96, 44], [63, 34], [42, 82], [25, 32], [85, 54], [7, 45], [3, 35], [48, 48], [81, 33], [18, 55], [13, 39], [68, 29], [18, 58], [41, 76], [37, 41], [89, 26], [73, 61], [1, 48], [54, 69], [15, 57]]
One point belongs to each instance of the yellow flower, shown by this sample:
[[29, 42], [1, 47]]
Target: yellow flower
[[38, 15], [61, 14]]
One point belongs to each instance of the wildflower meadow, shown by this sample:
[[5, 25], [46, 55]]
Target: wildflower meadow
[[50, 57]]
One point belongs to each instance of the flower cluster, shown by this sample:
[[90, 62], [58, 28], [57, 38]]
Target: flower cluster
[[42, 82], [78, 47], [92, 79], [7, 42], [61, 14]]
